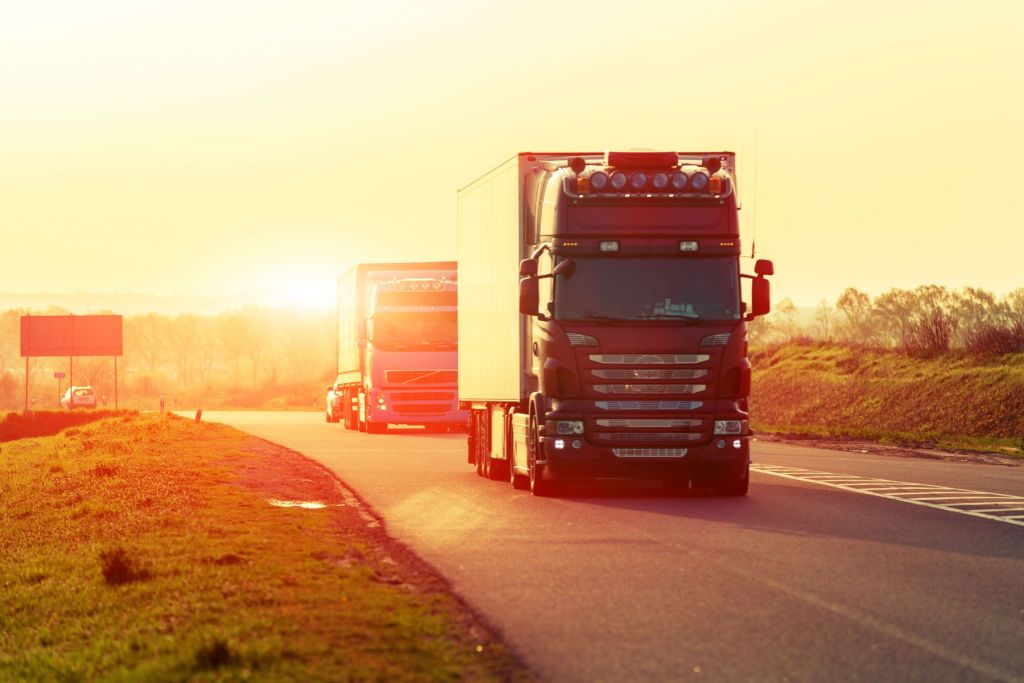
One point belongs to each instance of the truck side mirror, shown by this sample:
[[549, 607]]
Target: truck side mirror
[[528, 267], [529, 296], [764, 267], [760, 291]]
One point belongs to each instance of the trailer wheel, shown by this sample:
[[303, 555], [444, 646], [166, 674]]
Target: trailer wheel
[[497, 470]]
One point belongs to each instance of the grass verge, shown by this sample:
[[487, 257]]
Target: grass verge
[[954, 401], [146, 548]]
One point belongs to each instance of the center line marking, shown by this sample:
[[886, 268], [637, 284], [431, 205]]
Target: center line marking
[[925, 495]]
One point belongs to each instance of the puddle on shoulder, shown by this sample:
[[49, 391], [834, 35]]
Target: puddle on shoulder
[[304, 504]]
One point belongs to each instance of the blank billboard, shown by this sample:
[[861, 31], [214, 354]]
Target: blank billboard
[[71, 335]]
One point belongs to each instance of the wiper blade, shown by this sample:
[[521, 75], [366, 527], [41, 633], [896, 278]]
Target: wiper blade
[[597, 319], [669, 316]]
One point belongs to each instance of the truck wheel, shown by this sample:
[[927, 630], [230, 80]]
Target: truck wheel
[[676, 485], [518, 481], [539, 486], [497, 470], [735, 486], [328, 417]]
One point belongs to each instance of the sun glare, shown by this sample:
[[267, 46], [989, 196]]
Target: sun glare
[[307, 291]]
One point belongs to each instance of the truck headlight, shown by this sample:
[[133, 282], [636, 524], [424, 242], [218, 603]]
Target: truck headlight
[[569, 427], [730, 426]]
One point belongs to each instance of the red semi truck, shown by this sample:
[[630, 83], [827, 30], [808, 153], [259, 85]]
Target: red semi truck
[[602, 331], [397, 347]]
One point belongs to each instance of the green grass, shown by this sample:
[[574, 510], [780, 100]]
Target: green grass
[[144, 548], [951, 401]]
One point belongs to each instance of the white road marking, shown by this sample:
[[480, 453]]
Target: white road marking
[[927, 495]]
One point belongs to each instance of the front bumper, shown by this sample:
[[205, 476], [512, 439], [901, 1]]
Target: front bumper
[[647, 460], [388, 416]]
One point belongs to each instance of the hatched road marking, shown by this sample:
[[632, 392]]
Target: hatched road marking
[[1000, 507]]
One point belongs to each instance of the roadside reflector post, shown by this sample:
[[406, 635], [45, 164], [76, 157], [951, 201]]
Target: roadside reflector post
[[199, 415]]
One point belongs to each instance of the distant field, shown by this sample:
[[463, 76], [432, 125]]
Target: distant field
[[951, 401], [147, 548]]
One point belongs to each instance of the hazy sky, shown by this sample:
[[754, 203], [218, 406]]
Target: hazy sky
[[214, 147]]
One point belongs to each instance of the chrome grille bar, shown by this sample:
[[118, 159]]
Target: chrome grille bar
[[649, 452], [649, 388], [648, 436], [649, 358], [648, 405], [634, 423], [649, 374]]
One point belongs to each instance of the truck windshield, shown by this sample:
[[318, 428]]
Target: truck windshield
[[423, 331], [650, 289]]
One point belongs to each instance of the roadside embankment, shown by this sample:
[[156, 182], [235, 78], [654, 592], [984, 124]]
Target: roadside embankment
[[953, 401], [157, 548]]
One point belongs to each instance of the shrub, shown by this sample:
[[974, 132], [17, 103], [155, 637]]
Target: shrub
[[119, 567], [996, 340]]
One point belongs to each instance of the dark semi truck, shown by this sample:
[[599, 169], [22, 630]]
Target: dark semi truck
[[602, 320]]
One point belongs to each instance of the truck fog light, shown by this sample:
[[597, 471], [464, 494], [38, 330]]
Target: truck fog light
[[737, 443], [559, 444], [576, 443], [720, 443]]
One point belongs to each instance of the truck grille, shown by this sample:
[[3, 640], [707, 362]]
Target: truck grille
[[421, 376], [649, 452], [648, 436], [649, 388], [421, 409], [649, 405], [649, 358], [649, 374], [397, 396]]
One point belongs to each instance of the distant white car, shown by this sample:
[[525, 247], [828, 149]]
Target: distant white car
[[78, 397]]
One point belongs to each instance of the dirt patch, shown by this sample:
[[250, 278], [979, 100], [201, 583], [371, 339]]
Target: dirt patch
[[859, 446]]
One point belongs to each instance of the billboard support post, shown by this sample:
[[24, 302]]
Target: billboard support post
[[26, 385], [115, 382]]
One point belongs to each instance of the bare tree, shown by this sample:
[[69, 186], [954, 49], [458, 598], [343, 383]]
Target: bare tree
[[856, 323], [785, 319], [824, 319], [895, 309]]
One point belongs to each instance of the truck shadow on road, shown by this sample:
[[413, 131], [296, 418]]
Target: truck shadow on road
[[809, 512]]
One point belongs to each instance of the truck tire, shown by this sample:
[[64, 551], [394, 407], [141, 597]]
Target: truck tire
[[539, 485], [497, 470], [735, 486], [519, 482], [676, 485]]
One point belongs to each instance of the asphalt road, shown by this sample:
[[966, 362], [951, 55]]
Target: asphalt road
[[800, 580]]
